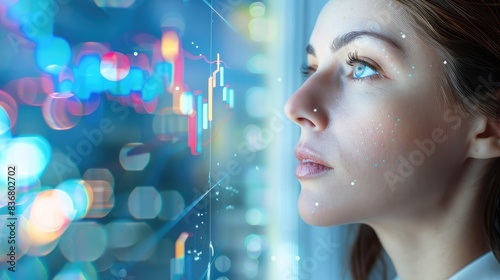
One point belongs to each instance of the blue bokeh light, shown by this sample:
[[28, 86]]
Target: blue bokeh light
[[51, 54]]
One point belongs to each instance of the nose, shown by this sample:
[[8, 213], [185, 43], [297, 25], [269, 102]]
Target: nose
[[307, 107]]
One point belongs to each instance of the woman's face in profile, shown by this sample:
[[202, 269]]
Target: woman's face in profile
[[373, 112]]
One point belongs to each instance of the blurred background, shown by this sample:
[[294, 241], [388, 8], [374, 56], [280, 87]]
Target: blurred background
[[150, 142]]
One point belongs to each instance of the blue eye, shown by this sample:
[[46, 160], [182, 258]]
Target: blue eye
[[362, 70]]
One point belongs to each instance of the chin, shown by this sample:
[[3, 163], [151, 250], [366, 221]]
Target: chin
[[319, 216]]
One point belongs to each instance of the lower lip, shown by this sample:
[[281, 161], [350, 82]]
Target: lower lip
[[310, 169]]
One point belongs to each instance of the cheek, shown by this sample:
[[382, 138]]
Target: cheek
[[393, 146], [366, 142]]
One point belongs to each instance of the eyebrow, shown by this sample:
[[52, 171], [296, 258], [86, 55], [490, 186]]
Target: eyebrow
[[344, 40]]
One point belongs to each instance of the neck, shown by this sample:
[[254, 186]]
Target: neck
[[436, 243]]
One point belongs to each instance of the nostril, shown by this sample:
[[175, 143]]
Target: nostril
[[300, 113], [305, 122]]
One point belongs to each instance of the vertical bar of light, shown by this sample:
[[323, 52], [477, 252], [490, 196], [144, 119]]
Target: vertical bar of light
[[186, 103], [221, 76], [192, 123], [177, 264], [169, 72], [180, 245], [205, 116], [224, 94], [231, 98], [199, 123], [210, 98]]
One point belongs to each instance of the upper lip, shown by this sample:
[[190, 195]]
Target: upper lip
[[305, 154]]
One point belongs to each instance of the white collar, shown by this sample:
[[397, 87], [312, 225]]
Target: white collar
[[483, 268]]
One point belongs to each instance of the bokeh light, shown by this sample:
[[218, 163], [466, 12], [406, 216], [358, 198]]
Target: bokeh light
[[132, 158], [31, 268], [259, 29], [136, 77], [257, 103], [172, 206], [253, 216], [31, 90], [83, 241], [87, 77], [222, 264], [103, 198], [50, 215], [77, 271], [105, 262], [40, 250], [66, 74], [31, 156], [253, 245], [90, 105], [173, 20], [254, 138], [52, 54], [101, 183], [134, 243], [115, 66], [144, 203], [9, 106], [87, 49], [5, 132], [257, 9], [251, 268], [99, 174], [258, 64], [122, 233], [80, 193], [62, 111]]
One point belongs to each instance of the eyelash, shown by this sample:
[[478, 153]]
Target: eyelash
[[352, 58], [306, 70]]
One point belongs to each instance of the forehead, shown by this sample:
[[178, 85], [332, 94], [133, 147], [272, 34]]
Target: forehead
[[342, 16]]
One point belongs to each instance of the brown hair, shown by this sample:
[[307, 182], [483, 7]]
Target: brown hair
[[466, 34]]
